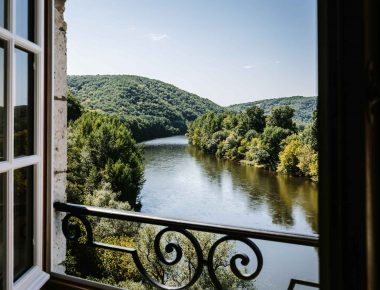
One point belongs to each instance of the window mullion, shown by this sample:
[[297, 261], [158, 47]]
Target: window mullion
[[39, 141], [10, 233], [39, 144], [10, 155]]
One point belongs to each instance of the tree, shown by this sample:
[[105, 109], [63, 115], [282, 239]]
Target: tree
[[152, 108], [74, 107], [272, 138], [309, 135], [101, 150], [282, 117], [298, 158], [256, 119], [288, 158], [247, 138]]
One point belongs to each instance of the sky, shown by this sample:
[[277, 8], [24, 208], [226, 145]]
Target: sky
[[229, 51]]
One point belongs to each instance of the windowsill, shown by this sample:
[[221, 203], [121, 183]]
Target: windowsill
[[35, 278]]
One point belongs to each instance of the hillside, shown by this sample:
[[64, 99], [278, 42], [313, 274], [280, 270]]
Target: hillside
[[150, 107], [303, 106]]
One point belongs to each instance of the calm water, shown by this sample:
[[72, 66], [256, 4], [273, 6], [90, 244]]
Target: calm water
[[182, 182]]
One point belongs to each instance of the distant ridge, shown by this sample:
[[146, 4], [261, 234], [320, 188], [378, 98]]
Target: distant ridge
[[303, 106], [152, 108]]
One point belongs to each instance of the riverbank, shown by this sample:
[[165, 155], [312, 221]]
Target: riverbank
[[184, 183], [273, 142]]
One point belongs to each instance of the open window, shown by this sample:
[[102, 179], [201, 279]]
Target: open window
[[69, 219], [348, 74], [21, 143]]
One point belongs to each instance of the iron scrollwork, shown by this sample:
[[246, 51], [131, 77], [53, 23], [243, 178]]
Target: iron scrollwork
[[244, 260], [73, 225], [72, 231], [78, 229]]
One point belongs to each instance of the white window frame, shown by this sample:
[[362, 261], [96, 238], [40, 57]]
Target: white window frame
[[34, 278]]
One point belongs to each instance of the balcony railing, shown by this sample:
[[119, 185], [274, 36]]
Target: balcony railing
[[73, 232]]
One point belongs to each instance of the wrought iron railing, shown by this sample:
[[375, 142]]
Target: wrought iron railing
[[72, 232]]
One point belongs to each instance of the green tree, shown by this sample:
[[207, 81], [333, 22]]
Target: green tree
[[256, 119], [101, 150], [150, 108], [246, 137], [282, 116], [271, 139], [289, 158], [309, 135], [298, 158], [74, 107]]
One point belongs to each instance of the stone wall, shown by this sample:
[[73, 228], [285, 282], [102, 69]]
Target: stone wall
[[60, 133]]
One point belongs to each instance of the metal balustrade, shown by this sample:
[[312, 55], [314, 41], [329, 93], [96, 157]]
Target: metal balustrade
[[73, 232]]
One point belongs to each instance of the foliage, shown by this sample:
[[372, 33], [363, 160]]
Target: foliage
[[150, 108], [272, 140], [309, 135], [282, 117], [303, 106], [117, 268], [179, 274], [289, 158], [256, 118], [251, 137], [74, 107], [101, 150], [107, 114], [299, 159], [104, 169]]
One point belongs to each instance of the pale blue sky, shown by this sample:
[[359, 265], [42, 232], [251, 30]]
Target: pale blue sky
[[229, 51]]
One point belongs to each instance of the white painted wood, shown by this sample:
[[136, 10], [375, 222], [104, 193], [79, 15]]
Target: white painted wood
[[9, 245], [50, 135], [25, 161], [34, 278], [27, 45]]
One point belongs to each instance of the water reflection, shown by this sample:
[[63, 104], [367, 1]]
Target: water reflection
[[183, 182], [282, 194]]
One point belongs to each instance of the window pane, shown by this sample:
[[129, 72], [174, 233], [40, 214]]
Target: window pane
[[2, 228], [25, 18], [23, 220], [24, 104], [3, 16], [3, 107]]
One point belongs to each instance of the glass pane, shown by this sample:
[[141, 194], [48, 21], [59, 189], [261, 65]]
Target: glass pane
[[25, 19], [3, 107], [23, 220], [24, 104], [3, 16], [2, 227]]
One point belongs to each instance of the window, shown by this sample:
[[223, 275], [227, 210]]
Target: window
[[343, 217], [21, 144], [60, 192]]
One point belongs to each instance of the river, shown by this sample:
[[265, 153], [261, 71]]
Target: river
[[184, 183]]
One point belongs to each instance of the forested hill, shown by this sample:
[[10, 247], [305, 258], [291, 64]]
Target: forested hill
[[150, 107], [303, 106]]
